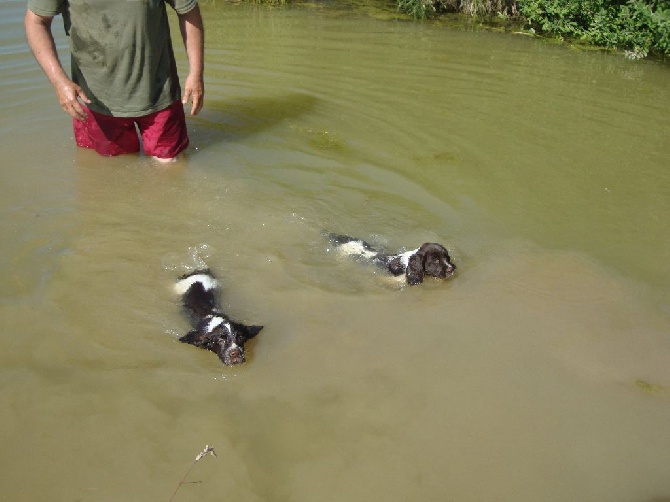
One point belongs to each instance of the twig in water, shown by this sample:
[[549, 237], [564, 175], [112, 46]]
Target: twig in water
[[208, 449]]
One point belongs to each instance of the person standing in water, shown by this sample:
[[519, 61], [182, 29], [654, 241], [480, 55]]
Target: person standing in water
[[123, 71]]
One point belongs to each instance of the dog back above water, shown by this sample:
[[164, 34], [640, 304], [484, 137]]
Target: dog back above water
[[430, 259], [213, 330]]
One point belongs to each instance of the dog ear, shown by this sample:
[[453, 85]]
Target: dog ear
[[247, 331], [252, 331], [192, 338], [396, 267], [415, 268]]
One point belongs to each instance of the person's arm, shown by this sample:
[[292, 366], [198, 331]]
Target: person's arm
[[193, 33], [41, 42]]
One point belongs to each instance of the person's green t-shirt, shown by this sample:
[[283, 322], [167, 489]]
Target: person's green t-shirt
[[122, 53]]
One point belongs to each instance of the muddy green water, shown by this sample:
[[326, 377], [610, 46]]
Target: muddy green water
[[540, 373]]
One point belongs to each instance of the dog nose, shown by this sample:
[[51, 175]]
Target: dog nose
[[235, 355]]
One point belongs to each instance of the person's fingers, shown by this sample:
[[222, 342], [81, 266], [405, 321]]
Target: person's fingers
[[186, 96], [194, 95], [68, 95], [82, 95], [78, 112], [194, 91], [197, 103]]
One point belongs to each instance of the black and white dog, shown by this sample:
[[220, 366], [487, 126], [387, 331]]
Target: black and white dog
[[214, 330], [428, 260]]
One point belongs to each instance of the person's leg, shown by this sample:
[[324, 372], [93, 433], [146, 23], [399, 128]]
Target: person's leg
[[106, 135], [164, 133]]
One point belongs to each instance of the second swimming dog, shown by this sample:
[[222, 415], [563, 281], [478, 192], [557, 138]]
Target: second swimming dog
[[214, 330], [430, 259]]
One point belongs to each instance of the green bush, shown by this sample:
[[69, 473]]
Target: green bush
[[422, 9], [635, 25], [419, 9]]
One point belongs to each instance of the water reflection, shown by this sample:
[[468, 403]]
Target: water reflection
[[238, 118]]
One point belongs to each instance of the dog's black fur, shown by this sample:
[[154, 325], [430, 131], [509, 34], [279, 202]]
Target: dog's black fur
[[214, 330], [430, 259]]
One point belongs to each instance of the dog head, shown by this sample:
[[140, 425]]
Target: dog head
[[222, 336], [430, 259]]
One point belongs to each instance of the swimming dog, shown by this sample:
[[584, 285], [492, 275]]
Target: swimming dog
[[214, 330], [430, 259]]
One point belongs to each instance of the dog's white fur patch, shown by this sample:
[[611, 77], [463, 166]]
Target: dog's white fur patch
[[214, 323], [355, 248], [404, 257], [208, 282]]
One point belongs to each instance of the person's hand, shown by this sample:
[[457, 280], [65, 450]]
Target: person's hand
[[194, 91], [69, 95]]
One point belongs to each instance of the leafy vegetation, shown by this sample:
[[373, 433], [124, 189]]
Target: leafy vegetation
[[638, 26], [482, 8]]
